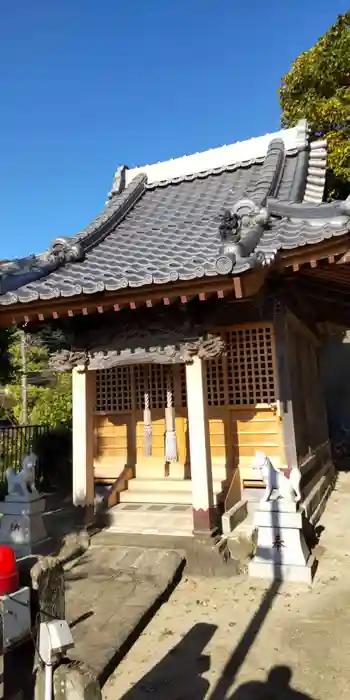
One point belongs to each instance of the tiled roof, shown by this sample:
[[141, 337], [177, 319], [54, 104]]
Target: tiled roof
[[163, 223]]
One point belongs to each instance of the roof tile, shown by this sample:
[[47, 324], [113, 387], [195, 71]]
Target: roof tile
[[157, 233]]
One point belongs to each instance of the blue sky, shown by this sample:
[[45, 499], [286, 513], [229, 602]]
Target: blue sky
[[88, 85]]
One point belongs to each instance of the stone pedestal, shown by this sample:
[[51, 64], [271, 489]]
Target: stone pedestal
[[282, 553], [22, 526]]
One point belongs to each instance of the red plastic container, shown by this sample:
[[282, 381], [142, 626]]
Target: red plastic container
[[9, 580]]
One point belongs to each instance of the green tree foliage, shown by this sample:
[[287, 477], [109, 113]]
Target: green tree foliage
[[49, 394], [318, 88]]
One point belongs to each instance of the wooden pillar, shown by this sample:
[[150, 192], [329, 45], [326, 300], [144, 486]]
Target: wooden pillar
[[284, 384], [200, 456], [83, 396]]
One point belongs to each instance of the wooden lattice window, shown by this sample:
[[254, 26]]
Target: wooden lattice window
[[216, 382], [152, 379], [250, 366], [183, 387], [113, 390]]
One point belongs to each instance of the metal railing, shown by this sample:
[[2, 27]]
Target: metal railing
[[15, 442]]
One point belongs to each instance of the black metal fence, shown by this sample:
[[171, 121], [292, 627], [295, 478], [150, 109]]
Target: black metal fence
[[15, 443]]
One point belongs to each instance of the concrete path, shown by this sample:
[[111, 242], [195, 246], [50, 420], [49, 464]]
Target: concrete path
[[111, 593], [242, 640]]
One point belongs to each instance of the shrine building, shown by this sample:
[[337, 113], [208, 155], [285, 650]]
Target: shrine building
[[193, 310]]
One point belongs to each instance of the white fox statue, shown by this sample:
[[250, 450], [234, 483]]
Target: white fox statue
[[274, 479]]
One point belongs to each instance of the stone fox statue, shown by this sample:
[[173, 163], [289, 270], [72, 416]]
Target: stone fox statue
[[274, 479], [22, 484]]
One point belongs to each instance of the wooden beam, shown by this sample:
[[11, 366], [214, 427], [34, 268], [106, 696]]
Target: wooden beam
[[110, 299], [253, 281], [320, 251], [324, 284], [247, 284], [321, 293], [237, 287], [344, 259]]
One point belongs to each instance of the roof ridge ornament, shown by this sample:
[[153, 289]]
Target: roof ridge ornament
[[240, 231], [119, 182], [65, 249]]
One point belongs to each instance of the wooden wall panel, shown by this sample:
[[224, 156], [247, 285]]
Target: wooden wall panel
[[112, 444], [258, 429]]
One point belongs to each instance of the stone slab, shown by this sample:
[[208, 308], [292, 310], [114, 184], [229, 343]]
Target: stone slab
[[277, 520], [203, 558], [283, 572], [111, 593], [22, 507], [278, 505], [70, 682]]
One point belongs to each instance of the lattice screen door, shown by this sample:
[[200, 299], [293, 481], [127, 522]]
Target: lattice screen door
[[122, 389], [243, 377]]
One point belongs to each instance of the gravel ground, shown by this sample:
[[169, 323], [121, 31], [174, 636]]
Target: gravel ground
[[241, 639]]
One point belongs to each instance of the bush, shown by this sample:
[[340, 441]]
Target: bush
[[54, 451]]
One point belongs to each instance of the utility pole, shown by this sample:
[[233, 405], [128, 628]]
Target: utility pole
[[24, 379]]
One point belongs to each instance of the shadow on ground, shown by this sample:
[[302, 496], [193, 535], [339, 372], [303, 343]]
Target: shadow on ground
[[180, 673]]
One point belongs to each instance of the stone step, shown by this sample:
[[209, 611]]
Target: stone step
[[153, 519]]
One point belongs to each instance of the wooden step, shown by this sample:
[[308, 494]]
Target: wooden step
[[166, 484], [164, 491], [157, 485], [166, 496]]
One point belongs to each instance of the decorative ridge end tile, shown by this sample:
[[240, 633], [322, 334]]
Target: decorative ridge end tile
[[316, 174]]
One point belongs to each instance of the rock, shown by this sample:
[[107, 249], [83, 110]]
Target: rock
[[48, 584], [71, 681]]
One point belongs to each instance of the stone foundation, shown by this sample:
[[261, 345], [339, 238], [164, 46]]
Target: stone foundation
[[22, 526]]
